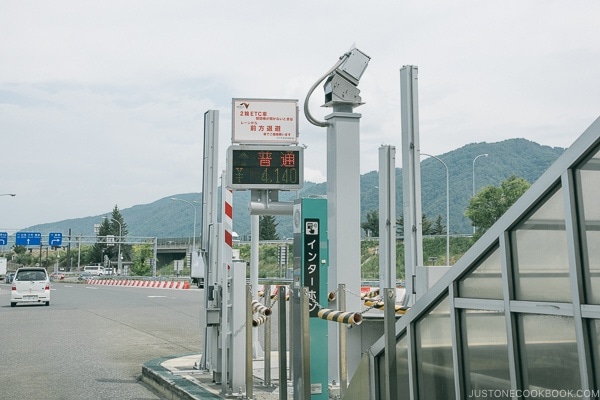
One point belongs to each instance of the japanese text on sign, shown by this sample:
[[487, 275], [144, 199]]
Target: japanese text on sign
[[265, 121], [311, 264], [277, 167]]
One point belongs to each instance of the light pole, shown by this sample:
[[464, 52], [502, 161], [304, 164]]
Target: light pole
[[119, 251], [195, 212], [475, 159], [447, 206], [8, 194]]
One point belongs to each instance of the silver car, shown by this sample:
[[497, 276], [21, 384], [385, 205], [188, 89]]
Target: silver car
[[30, 285]]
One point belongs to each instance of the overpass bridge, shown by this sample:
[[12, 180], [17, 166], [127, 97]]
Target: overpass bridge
[[171, 249]]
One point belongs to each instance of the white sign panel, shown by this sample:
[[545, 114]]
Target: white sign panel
[[178, 264], [264, 121]]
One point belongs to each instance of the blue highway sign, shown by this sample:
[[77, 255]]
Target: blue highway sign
[[55, 239], [3, 238], [28, 238]]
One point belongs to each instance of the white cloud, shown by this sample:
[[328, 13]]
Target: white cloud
[[103, 103]]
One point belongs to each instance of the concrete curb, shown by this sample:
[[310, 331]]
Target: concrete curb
[[170, 385]]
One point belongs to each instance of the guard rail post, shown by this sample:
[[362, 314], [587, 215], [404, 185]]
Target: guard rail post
[[267, 376], [389, 324], [304, 304], [249, 382], [342, 343], [282, 344]]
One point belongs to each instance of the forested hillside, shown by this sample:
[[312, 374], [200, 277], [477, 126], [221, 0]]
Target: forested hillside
[[167, 218]]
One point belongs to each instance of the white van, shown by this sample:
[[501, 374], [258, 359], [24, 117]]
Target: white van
[[94, 269], [30, 285]]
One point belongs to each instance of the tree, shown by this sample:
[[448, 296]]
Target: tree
[[492, 202], [268, 228], [428, 227], [100, 247], [371, 225], [437, 228], [142, 255], [114, 226]]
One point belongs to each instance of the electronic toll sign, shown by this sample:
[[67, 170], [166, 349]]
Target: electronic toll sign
[[265, 167]]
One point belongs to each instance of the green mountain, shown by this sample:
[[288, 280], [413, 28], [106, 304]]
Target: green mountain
[[165, 218]]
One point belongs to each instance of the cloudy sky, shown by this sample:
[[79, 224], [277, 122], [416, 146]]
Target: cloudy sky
[[102, 102]]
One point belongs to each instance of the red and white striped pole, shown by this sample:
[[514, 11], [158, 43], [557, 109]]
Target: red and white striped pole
[[228, 220], [225, 268]]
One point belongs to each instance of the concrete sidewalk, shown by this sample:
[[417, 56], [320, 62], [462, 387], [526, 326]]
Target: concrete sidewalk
[[175, 378]]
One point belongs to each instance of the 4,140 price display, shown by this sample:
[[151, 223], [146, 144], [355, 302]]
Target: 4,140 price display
[[265, 167]]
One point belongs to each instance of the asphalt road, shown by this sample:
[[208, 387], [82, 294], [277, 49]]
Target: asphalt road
[[92, 341]]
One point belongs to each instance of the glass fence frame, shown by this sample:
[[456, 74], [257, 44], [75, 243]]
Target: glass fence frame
[[572, 300]]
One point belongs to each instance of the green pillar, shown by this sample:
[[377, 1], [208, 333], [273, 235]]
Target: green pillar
[[311, 260]]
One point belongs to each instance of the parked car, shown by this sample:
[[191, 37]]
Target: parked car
[[94, 269], [56, 276], [30, 285], [84, 276], [8, 278]]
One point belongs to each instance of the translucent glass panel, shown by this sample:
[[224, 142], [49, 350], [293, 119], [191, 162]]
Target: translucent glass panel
[[485, 282], [485, 353], [595, 345], [541, 268], [401, 368], [435, 373], [549, 353], [590, 182]]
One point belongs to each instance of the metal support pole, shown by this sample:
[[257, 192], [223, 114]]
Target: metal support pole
[[225, 329], [119, 261], [210, 184], [343, 221], [267, 375], [290, 328], [249, 382], [387, 217], [342, 332], [254, 249], [389, 323], [282, 344], [304, 304], [411, 179], [254, 252], [155, 256]]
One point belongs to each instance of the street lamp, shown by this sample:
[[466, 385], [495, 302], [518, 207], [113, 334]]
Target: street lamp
[[475, 159], [8, 194], [447, 206], [194, 207], [119, 251]]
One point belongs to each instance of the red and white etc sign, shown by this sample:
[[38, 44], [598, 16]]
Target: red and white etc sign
[[264, 121]]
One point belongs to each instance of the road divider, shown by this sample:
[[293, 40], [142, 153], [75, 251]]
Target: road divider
[[141, 283]]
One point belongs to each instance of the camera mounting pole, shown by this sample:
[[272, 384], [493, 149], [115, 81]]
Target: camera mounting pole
[[343, 192]]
